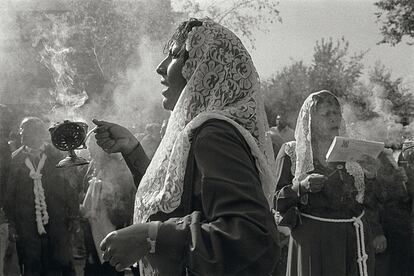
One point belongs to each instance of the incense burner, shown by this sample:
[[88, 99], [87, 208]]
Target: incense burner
[[70, 136]]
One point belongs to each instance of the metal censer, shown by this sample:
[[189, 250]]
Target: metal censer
[[70, 136]]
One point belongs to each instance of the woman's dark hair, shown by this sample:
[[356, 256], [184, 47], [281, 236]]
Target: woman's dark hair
[[181, 33]]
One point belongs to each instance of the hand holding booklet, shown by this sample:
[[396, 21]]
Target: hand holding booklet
[[345, 149]]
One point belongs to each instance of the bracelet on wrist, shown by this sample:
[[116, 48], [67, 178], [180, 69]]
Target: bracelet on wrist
[[152, 235]]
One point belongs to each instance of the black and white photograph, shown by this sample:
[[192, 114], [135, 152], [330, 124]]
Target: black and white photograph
[[206, 137]]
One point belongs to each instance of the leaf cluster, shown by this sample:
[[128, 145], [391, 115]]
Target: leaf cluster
[[396, 20]]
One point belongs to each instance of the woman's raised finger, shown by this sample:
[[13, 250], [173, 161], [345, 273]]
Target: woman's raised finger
[[101, 123]]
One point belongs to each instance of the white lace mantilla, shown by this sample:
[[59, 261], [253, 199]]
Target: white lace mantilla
[[222, 83], [301, 153]]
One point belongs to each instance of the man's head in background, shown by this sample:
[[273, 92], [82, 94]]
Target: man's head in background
[[33, 132]]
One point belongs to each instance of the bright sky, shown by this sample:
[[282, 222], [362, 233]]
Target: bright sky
[[306, 21]]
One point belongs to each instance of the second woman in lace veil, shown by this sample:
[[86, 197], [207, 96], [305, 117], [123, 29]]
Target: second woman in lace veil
[[329, 207]]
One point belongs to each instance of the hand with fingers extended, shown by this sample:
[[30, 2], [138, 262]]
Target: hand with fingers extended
[[313, 183], [114, 138], [122, 248]]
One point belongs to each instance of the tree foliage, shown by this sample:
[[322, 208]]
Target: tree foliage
[[241, 16], [400, 98], [286, 91], [396, 19], [333, 68]]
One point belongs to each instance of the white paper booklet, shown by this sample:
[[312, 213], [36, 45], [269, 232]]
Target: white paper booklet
[[345, 149]]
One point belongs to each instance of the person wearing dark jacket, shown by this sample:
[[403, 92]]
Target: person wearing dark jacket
[[41, 204], [5, 153]]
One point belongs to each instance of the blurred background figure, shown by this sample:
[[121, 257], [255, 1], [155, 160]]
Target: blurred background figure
[[8, 255], [396, 207], [41, 205], [14, 141], [4, 238], [394, 138], [5, 153], [395, 213], [280, 133], [107, 206], [397, 218], [151, 139]]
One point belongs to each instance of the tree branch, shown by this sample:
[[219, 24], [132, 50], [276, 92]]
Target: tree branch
[[231, 9]]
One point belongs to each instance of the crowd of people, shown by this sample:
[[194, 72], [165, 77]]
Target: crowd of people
[[213, 191]]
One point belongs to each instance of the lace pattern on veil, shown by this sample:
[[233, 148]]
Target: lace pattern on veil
[[303, 162], [222, 83]]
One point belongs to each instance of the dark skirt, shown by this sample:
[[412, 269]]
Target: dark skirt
[[326, 248]]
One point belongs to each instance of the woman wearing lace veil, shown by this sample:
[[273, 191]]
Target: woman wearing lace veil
[[202, 204], [331, 208]]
